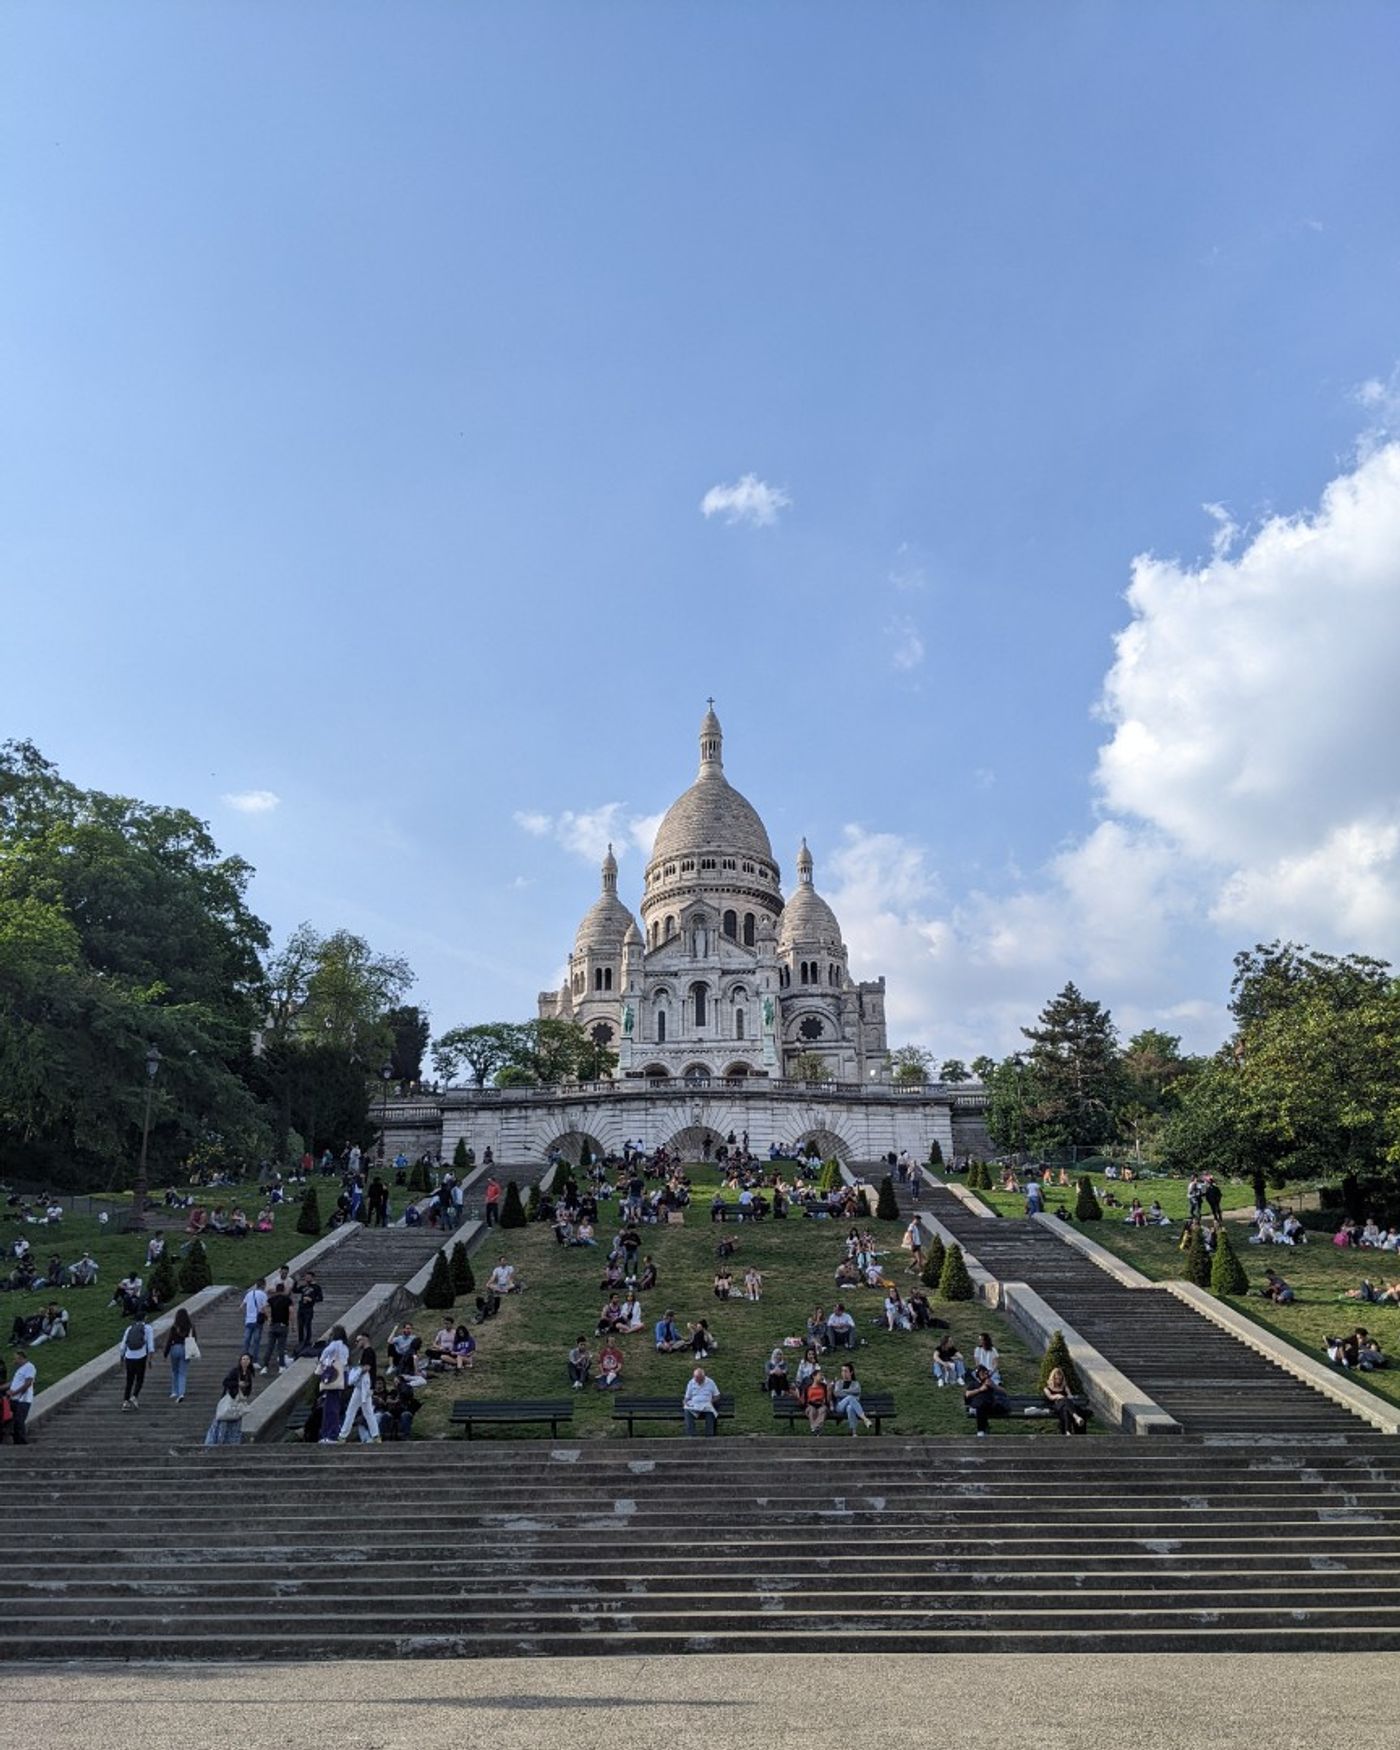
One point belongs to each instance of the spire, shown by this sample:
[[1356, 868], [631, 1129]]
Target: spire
[[804, 865], [711, 743], [610, 872]]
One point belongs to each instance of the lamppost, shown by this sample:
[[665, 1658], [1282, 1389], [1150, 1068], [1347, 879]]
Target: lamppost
[[1019, 1064], [138, 1200], [386, 1075]]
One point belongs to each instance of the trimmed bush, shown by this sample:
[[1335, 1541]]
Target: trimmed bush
[[1198, 1259], [830, 1179], [585, 1156], [1227, 1274], [461, 1156], [1057, 1355], [532, 1204], [463, 1277], [418, 1178], [162, 1283], [194, 1269], [935, 1153], [954, 1283], [439, 1293], [512, 1209], [933, 1263], [863, 1204], [309, 1219], [1086, 1204], [887, 1207]]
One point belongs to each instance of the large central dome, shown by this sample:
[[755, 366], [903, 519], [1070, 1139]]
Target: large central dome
[[711, 815]]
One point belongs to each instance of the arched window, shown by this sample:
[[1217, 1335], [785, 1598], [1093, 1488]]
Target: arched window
[[697, 997], [802, 971], [738, 1023], [748, 929], [607, 978], [661, 1026], [670, 928], [597, 978], [731, 925]]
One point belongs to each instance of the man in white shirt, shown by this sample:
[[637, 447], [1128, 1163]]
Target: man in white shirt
[[21, 1394], [138, 1345], [254, 1318], [502, 1278], [701, 1398], [841, 1328]]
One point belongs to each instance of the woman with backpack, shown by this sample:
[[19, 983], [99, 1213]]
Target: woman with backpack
[[138, 1345]]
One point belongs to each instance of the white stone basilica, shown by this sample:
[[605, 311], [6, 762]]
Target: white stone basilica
[[723, 979]]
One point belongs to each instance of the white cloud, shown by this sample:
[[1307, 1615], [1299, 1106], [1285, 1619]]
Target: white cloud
[[537, 825], [749, 500], [643, 828], [253, 801], [908, 651], [588, 832]]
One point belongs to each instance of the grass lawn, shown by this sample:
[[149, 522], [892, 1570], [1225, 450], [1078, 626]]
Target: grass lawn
[[93, 1324], [522, 1351], [1170, 1193]]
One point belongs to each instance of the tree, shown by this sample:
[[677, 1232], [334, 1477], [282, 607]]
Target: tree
[[887, 1207], [463, 1277], [1057, 1355], [1227, 1274], [935, 1153], [983, 1066], [954, 1283], [910, 1065], [1198, 1259], [439, 1293], [309, 1220], [932, 1271], [1076, 1076], [953, 1071], [809, 1066], [194, 1269], [482, 1049], [512, 1210], [409, 1030], [1086, 1204]]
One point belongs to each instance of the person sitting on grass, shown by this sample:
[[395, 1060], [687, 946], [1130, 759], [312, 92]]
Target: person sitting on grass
[[921, 1312], [610, 1318], [199, 1220], [1136, 1216], [580, 1363], [896, 1312], [817, 1334], [1156, 1215], [404, 1346], [503, 1279], [987, 1358], [840, 1328], [609, 1366], [816, 1400], [847, 1276], [631, 1313], [775, 1376], [83, 1274], [1369, 1355], [440, 1351], [726, 1248], [238, 1227], [948, 1365], [668, 1334], [583, 1234], [846, 1399], [753, 1283], [1063, 1405], [1276, 1289], [702, 1340], [463, 1348], [647, 1280], [487, 1306], [724, 1283]]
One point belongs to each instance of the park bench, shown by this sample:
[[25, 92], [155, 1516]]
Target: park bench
[[633, 1410], [879, 1406], [469, 1412], [1031, 1407]]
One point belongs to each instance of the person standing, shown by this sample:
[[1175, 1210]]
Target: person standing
[[21, 1395], [361, 1379], [701, 1403], [331, 1370], [138, 1345], [177, 1352], [279, 1318], [309, 1294], [493, 1201], [254, 1318], [1212, 1196]]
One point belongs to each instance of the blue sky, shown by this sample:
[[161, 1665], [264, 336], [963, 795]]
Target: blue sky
[[365, 368]]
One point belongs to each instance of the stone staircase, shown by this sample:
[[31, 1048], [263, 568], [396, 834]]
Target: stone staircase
[[1211, 1383], [739, 1545], [96, 1422]]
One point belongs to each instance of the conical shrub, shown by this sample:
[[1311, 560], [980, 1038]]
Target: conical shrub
[[463, 1278], [309, 1219], [418, 1178], [1198, 1259], [512, 1209], [1086, 1204], [1227, 1274], [532, 1204], [935, 1153], [863, 1204], [954, 1283], [830, 1176], [1057, 1355], [934, 1255], [194, 1269], [460, 1162], [887, 1207], [439, 1293], [162, 1283]]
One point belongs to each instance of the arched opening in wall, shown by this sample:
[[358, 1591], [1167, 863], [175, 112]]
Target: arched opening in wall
[[802, 971], [731, 924], [661, 1026], [570, 1145], [597, 978], [827, 1144], [607, 978], [738, 1023], [697, 1074], [698, 995], [697, 1142], [737, 1071], [670, 928], [657, 1072], [749, 928]]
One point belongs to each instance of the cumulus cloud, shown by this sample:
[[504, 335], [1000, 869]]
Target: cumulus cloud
[[253, 801], [908, 650], [588, 832], [537, 825], [748, 500]]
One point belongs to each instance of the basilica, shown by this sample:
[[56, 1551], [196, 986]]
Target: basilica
[[722, 979]]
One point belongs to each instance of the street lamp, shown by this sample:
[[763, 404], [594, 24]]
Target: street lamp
[[138, 1201], [386, 1076]]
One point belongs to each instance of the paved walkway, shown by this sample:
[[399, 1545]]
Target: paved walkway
[[1070, 1702]]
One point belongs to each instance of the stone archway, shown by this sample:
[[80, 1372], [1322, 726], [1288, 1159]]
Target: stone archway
[[696, 1142], [697, 1074], [826, 1142], [570, 1145]]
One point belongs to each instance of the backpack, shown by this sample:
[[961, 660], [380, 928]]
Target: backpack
[[135, 1338]]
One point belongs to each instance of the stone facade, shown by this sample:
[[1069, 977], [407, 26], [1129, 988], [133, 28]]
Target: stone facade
[[722, 980]]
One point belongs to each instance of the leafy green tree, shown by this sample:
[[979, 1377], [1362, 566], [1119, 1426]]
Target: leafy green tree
[[1086, 1204], [1076, 1075], [934, 1255], [463, 1276], [194, 1271], [953, 1071], [439, 1293], [309, 1219], [514, 1075], [409, 1030], [983, 1066], [809, 1066], [1198, 1259], [1227, 1274], [910, 1065], [954, 1283], [887, 1207], [512, 1210], [483, 1050], [1057, 1355]]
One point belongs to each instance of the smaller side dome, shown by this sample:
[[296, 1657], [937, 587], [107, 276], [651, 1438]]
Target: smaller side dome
[[607, 921], [807, 921]]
